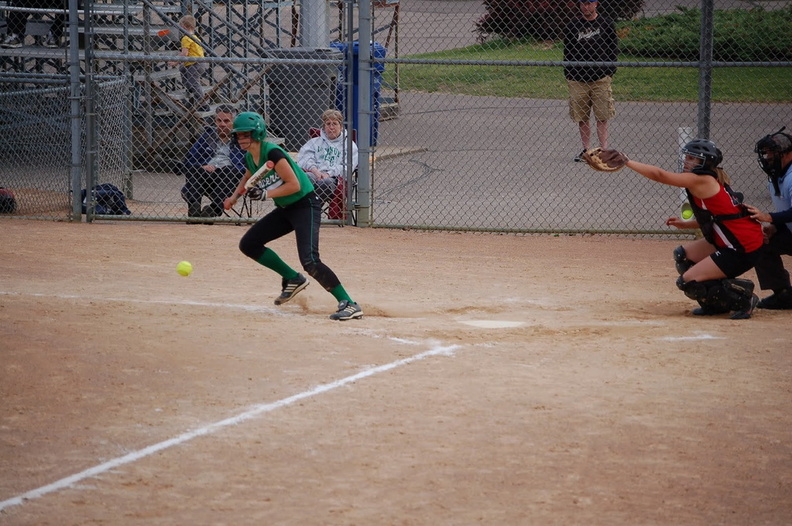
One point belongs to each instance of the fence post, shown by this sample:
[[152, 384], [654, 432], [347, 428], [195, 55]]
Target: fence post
[[364, 114], [705, 69], [75, 107]]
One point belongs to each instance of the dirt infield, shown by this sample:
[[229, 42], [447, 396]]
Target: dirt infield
[[494, 379]]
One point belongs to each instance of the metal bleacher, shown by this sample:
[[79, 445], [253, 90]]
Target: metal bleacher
[[150, 27], [240, 28], [113, 26], [161, 122]]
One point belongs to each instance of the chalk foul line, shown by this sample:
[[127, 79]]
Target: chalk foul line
[[251, 413]]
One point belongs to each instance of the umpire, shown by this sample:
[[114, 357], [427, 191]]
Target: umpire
[[774, 153]]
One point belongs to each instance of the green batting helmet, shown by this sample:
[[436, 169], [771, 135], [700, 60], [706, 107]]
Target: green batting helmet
[[252, 122]]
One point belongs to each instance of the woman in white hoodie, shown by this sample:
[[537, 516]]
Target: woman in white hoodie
[[324, 158]]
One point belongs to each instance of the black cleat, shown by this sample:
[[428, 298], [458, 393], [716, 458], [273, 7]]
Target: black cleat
[[290, 288], [708, 311], [746, 313], [781, 300], [347, 310]]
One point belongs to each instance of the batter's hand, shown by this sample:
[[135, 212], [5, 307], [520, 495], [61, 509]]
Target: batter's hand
[[257, 194]]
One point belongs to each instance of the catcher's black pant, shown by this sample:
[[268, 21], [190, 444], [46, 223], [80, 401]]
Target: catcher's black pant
[[304, 218], [770, 267]]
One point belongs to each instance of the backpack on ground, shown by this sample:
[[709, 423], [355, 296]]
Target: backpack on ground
[[108, 199]]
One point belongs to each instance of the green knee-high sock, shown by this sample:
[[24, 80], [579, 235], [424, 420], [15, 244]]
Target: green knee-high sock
[[340, 294], [272, 261]]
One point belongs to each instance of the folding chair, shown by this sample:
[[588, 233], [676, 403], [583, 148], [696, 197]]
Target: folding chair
[[241, 211], [336, 207]]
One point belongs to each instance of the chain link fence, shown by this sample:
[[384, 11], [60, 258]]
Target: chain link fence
[[33, 172], [465, 124], [484, 106]]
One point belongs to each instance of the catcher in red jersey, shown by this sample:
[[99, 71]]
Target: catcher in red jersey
[[732, 243]]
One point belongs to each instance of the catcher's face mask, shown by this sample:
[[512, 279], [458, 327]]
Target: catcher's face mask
[[703, 154], [692, 161], [770, 151], [770, 162]]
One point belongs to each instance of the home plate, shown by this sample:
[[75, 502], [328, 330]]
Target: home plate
[[493, 324]]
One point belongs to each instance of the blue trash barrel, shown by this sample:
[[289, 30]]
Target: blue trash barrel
[[377, 51]]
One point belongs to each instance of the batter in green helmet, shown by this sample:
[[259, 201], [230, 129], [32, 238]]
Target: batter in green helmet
[[297, 208]]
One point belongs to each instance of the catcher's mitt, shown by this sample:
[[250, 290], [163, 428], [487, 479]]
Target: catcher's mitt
[[604, 160]]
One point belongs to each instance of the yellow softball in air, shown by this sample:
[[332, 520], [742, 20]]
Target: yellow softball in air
[[184, 268], [687, 211]]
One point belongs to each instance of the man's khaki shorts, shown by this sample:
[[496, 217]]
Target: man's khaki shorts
[[585, 96]]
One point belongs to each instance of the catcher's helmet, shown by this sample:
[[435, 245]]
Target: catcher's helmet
[[252, 122], [705, 150]]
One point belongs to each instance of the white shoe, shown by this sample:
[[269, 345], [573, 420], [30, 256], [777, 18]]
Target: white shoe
[[51, 41], [11, 41]]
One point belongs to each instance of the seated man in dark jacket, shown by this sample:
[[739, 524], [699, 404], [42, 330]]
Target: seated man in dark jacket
[[213, 166]]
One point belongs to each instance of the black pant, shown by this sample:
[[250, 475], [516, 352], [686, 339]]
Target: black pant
[[217, 186], [770, 268], [17, 20], [304, 218]]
